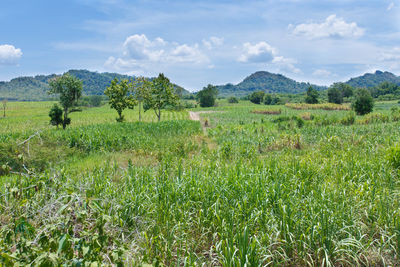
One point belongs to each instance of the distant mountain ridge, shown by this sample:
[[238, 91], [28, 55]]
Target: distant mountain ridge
[[35, 88], [373, 79], [267, 82]]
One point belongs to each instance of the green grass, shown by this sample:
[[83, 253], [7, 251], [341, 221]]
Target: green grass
[[258, 189]]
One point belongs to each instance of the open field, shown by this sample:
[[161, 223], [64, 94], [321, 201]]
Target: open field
[[256, 187]]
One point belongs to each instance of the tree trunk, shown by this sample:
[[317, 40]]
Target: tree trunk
[[159, 115], [140, 110], [65, 118], [4, 114]]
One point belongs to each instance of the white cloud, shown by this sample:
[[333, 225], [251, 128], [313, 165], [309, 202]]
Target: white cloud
[[263, 52], [332, 27], [322, 73], [391, 55], [259, 52], [9, 55], [391, 6], [213, 42], [141, 52]]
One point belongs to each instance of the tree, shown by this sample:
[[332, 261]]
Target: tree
[[55, 115], [95, 100], [4, 107], [335, 95], [207, 96], [141, 88], [312, 96], [363, 102], [267, 99], [161, 93], [257, 97], [70, 90], [119, 98]]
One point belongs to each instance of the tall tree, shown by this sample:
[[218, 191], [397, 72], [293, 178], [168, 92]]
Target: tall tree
[[207, 96], [257, 97], [160, 95], [119, 98], [363, 102], [141, 89], [4, 107], [335, 95], [70, 90], [312, 96]]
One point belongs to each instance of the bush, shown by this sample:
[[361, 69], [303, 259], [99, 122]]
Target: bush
[[312, 96], [207, 96], [233, 100], [363, 102], [257, 97], [55, 115], [349, 119]]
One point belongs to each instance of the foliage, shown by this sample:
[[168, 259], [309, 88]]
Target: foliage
[[393, 156], [69, 89], [55, 115], [119, 98], [373, 79], [385, 88], [141, 90], [311, 96], [363, 102], [335, 95], [271, 99], [233, 100], [207, 96], [257, 97], [161, 94]]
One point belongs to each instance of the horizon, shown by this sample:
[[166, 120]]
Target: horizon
[[195, 43]]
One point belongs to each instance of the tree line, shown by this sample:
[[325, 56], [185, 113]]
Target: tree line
[[155, 94]]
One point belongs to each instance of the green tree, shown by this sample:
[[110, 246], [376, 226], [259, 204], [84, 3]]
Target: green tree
[[141, 89], [69, 89], [257, 97], [55, 115], [268, 99], [119, 98], [363, 102], [161, 93], [95, 100], [207, 96], [4, 107], [312, 96], [335, 95]]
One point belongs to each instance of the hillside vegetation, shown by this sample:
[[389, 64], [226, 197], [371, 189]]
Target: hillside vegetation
[[35, 88]]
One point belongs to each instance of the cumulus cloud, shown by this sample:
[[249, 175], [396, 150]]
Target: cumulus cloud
[[332, 27], [259, 52], [9, 55], [138, 51], [213, 42], [263, 52]]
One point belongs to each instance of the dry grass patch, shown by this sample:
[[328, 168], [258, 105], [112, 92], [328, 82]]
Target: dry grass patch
[[268, 111], [324, 106]]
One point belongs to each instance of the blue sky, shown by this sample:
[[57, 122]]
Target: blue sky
[[200, 42]]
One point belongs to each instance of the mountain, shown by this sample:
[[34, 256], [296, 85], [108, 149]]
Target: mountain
[[35, 88], [374, 79], [267, 82]]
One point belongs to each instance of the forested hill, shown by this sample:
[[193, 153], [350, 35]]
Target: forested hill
[[374, 79], [267, 82], [35, 88]]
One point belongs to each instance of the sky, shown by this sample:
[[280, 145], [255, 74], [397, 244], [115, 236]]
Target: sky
[[196, 43]]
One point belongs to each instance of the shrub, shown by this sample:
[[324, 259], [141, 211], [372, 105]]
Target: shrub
[[55, 115], [349, 119], [233, 100], [363, 102]]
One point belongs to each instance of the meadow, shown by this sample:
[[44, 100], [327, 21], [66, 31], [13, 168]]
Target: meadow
[[258, 186]]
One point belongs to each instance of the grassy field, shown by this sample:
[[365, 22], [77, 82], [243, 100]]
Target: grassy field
[[260, 185]]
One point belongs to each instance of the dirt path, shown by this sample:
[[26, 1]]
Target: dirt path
[[194, 115]]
